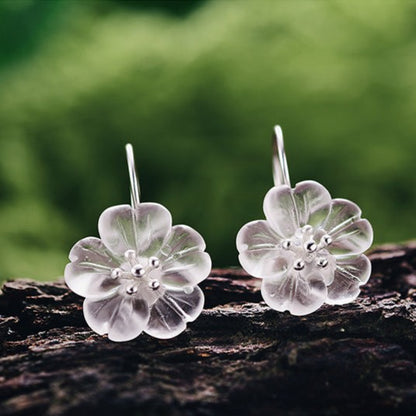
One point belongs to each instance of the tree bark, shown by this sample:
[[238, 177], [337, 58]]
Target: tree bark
[[239, 358]]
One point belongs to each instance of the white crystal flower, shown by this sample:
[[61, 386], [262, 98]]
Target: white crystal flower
[[142, 275], [308, 250]]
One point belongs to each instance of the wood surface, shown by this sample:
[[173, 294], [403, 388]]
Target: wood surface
[[239, 358]]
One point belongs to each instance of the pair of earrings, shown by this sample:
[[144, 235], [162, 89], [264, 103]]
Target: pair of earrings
[[143, 274]]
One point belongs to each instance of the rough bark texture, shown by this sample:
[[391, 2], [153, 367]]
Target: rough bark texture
[[238, 358]]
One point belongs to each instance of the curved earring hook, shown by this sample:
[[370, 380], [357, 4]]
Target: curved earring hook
[[280, 169], [134, 185]]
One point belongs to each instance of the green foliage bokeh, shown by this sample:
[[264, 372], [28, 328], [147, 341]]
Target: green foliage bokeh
[[197, 93]]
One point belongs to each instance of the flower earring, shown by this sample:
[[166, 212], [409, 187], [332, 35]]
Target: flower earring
[[142, 275], [309, 249]]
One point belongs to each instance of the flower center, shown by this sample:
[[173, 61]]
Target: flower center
[[308, 249], [139, 275]]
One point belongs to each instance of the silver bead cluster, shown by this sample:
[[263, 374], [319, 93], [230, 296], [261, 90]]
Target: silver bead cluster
[[137, 271], [309, 246]]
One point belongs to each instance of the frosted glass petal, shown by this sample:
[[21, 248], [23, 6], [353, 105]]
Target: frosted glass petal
[[171, 312], [295, 293], [121, 317], [89, 272], [181, 240], [264, 263], [260, 254], [280, 211], [343, 214], [144, 229], [313, 203], [188, 270], [326, 272], [352, 239], [349, 275], [183, 261], [256, 235]]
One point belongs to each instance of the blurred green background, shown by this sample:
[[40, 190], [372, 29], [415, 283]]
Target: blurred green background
[[197, 86]]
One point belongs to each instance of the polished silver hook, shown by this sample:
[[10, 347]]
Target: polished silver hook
[[134, 185], [280, 169]]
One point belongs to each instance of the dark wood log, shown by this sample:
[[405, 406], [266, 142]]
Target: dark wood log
[[239, 358]]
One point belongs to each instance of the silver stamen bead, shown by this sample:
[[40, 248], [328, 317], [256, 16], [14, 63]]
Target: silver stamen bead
[[299, 265], [322, 262], [116, 273], [326, 239], [307, 228], [130, 290], [286, 244], [138, 270], [129, 254], [154, 284], [154, 262], [311, 246]]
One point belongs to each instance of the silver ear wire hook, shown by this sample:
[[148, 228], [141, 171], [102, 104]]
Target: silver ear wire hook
[[280, 169], [134, 185]]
